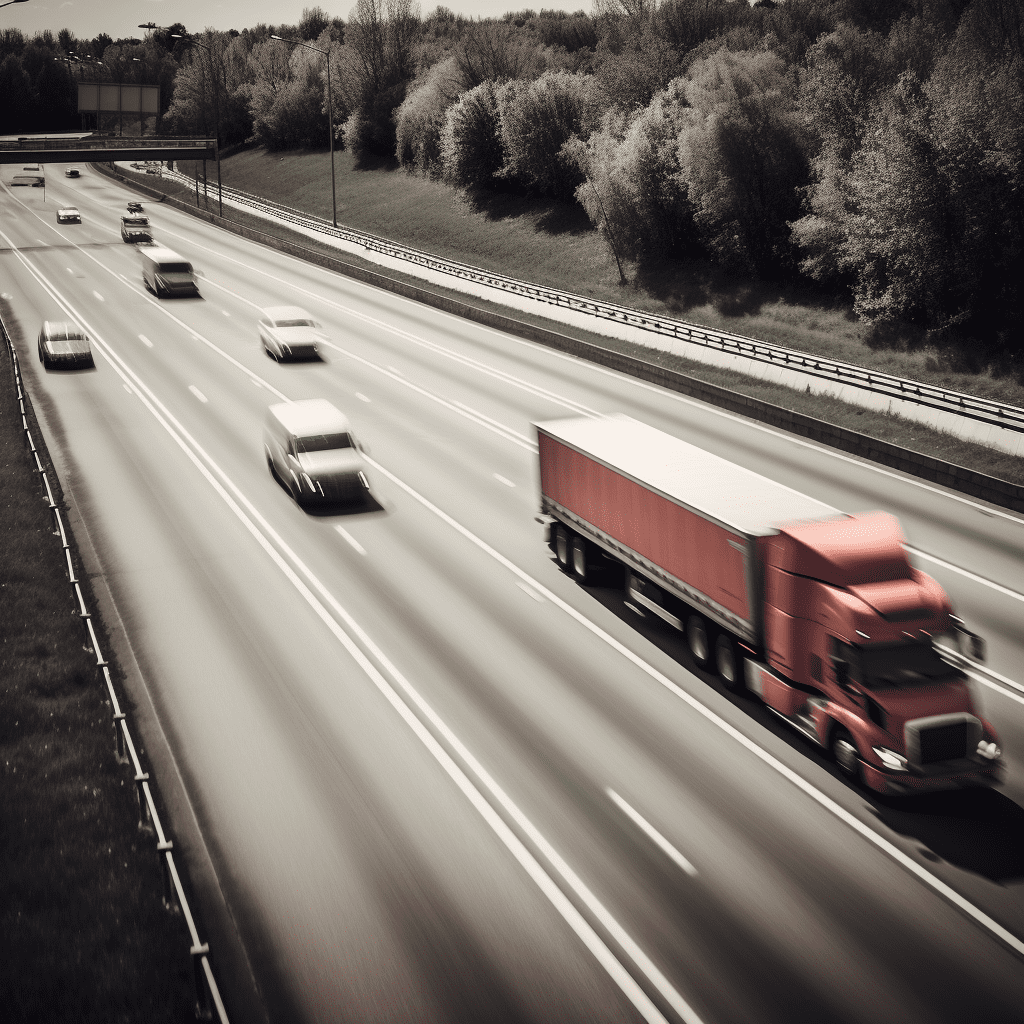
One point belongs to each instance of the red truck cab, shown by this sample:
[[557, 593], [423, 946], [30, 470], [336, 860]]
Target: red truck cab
[[851, 631]]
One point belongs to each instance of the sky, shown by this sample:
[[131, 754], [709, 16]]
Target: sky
[[120, 18]]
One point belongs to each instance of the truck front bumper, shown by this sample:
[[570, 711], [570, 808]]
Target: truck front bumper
[[964, 774]]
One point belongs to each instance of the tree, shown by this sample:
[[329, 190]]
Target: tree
[[743, 157], [18, 111], [472, 154]]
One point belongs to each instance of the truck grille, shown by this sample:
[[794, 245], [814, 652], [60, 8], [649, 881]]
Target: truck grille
[[942, 737], [345, 488], [944, 743]]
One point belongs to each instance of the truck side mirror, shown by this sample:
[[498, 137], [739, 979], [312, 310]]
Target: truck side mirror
[[977, 648]]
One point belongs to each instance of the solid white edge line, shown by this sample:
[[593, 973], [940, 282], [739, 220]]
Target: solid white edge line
[[573, 918], [652, 833], [826, 802]]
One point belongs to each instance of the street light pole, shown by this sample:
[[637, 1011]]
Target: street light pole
[[330, 118], [216, 114]]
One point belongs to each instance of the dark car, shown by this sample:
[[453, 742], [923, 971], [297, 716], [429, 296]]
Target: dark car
[[68, 215], [72, 172], [64, 345], [134, 207]]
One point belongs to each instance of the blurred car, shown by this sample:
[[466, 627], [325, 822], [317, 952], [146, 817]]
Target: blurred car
[[72, 172], [34, 180], [134, 207], [289, 332], [64, 345], [135, 228], [311, 451], [68, 215]]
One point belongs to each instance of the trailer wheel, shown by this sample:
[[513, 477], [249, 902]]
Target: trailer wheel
[[562, 547], [579, 559], [727, 661], [697, 638], [844, 750]]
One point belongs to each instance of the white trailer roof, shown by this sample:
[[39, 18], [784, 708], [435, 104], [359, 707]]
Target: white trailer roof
[[687, 475], [310, 416]]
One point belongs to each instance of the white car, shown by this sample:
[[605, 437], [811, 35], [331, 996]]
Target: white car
[[288, 332], [68, 215]]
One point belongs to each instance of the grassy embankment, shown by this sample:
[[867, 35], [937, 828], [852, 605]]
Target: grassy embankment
[[555, 245], [85, 935]]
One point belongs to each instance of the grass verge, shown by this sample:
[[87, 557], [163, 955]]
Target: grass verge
[[84, 935], [896, 430]]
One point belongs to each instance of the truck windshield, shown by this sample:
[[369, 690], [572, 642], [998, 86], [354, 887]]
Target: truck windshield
[[321, 443], [883, 667]]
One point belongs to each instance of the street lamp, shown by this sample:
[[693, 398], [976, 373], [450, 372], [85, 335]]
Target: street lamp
[[216, 114], [330, 117]]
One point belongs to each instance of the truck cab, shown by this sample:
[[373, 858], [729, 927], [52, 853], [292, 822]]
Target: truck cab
[[857, 648]]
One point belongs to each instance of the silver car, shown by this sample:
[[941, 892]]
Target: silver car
[[288, 332], [310, 450], [64, 345], [68, 215]]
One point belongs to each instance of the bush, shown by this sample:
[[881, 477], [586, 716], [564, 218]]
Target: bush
[[421, 117], [470, 140], [537, 119]]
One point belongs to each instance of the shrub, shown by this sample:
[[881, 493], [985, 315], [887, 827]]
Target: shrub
[[470, 140]]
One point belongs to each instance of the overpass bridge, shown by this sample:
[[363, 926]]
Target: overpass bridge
[[35, 150]]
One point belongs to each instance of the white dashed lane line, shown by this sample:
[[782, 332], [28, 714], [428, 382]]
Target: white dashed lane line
[[98, 296], [225, 312], [529, 590], [145, 341], [361, 397], [652, 833], [195, 391], [348, 536], [503, 480]]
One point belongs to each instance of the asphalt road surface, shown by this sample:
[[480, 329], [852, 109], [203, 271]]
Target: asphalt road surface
[[439, 781]]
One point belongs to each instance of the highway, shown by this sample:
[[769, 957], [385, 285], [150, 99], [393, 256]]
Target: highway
[[437, 779]]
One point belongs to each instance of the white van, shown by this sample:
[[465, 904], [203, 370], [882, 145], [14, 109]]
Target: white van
[[166, 273], [311, 451]]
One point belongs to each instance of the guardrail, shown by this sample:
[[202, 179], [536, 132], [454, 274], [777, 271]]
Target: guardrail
[[208, 996], [848, 374]]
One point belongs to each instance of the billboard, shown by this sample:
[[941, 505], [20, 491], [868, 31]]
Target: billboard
[[117, 97]]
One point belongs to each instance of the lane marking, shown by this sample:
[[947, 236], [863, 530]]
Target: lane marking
[[529, 590], [503, 480], [884, 845], [98, 296], [145, 341], [195, 391], [966, 572], [395, 369], [71, 272], [250, 517], [361, 397], [225, 312], [652, 833], [128, 389], [348, 536], [255, 382]]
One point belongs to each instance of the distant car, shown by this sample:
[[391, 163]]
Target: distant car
[[289, 332], [134, 207], [135, 228], [72, 172], [34, 180], [68, 215], [64, 345], [310, 450]]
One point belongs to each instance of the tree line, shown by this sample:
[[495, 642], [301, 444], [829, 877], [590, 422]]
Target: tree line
[[869, 145]]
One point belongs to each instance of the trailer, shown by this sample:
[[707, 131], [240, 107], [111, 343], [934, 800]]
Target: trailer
[[817, 612]]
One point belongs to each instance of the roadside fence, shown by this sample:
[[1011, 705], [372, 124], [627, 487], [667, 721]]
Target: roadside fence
[[208, 999]]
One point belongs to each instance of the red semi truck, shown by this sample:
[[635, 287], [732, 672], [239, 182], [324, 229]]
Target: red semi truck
[[817, 612]]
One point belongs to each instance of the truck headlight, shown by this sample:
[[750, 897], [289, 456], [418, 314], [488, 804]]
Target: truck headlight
[[893, 761], [989, 751]]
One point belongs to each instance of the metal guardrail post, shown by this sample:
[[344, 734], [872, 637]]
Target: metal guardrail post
[[120, 751], [170, 896], [204, 1009], [145, 818]]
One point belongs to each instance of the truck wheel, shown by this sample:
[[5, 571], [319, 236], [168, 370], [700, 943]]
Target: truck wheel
[[727, 661], [579, 559], [697, 638], [562, 540], [844, 750]]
